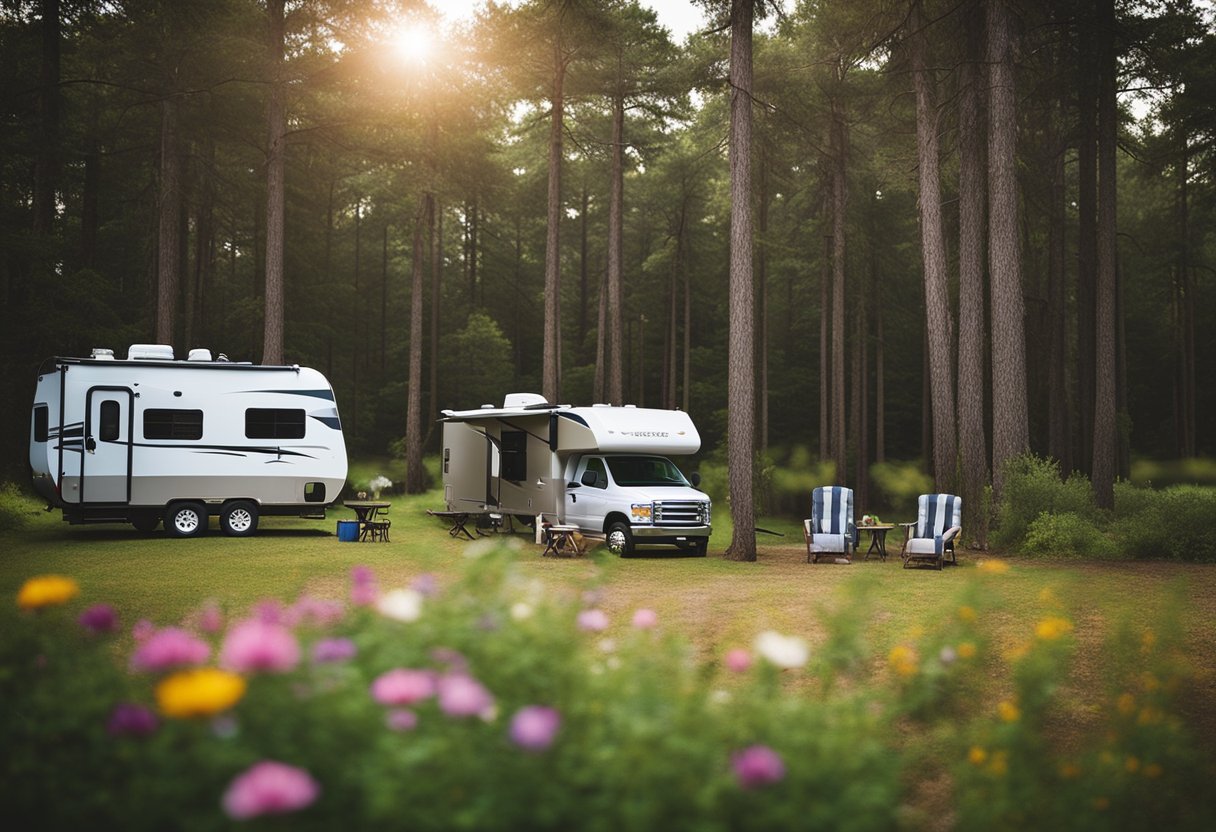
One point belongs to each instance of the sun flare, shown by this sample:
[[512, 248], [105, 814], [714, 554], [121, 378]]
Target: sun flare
[[413, 42]]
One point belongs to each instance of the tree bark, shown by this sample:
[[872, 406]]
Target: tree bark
[[601, 339], [1087, 232], [168, 249], [436, 292], [552, 324], [272, 344], [1058, 439], [839, 203], [762, 295], [1105, 459], [615, 253], [46, 154], [415, 481], [1183, 308], [741, 363], [825, 329], [584, 268]]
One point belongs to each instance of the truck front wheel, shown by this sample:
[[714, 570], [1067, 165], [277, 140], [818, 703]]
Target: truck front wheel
[[186, 519], [620, 539]]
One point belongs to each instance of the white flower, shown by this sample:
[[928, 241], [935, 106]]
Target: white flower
[[719, 696], [784, 651], [521, 610], [401, 604], [607, 644]]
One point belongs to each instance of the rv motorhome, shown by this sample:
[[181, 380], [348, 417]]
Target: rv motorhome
[[151, 439], [601, 468]]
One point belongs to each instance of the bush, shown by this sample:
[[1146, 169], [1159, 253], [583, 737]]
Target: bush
[[1067, 533], [14, 506], [901, 483], [793, 482], [1176, 523], [1033, 487]]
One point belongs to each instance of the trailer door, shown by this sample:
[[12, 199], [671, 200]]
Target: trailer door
[[105, 468]]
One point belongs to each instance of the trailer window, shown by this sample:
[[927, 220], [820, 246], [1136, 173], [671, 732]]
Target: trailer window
[[107, 431], [173, 424], [514, 455], [274, 423], [41, 422]]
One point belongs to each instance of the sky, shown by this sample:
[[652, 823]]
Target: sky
[[682, 17]]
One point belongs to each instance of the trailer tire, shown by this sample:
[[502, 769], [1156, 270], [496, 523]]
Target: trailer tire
[[145, 522], [619, 539], [186, 519], [239, 518]]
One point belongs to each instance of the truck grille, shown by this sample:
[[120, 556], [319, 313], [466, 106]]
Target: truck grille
[[681, 513]]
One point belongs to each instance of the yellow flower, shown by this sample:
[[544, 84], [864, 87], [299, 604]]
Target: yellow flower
[[1017, 652], [999, 766], [993, 567], [203, 691], [977, 755], [1008, 711], [1052, 628], [1126, 703], [903, 660], [46, 591], [1152, 771], [1149, 716], [1148, 681], [966, 613], [1132, 764], [966, 650]]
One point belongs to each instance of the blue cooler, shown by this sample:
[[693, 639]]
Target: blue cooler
[[348, 531]]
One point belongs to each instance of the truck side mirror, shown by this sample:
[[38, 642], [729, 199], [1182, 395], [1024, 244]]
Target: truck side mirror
[[589, 478], [695, 478]]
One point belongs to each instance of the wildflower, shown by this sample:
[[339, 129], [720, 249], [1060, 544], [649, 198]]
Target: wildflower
[[645, 619], [1052, 628], [966, 613], [719, 696], [210, 618], [521, 610], [269, 788], [966, 650], [1017, 652], [947, 655], [333, 650], [1126, 703], [259, 645], [269, 611], [757, 765], [403, 687], [169, 648], [999, 766], [592, 621], [786, 652], [607, 645], [46, 591], [319, 612], [738, 660], [199, 692], [453, 660], [534, 727], [1148, 641], [363, 590], [131, 720], [903, 660], [401, 719], [462, 695], [1149, 682], [1008, 711], [143, 630], [1149, 716], [993, 567], [977, 756], [99, 618], [425, 584], [401, 605]]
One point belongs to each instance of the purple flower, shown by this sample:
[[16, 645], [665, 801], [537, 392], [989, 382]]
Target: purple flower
[[269, 611], [534, 727], [738, 660], [645, 619], [259, 645], [317, 611], [143, 630], [269, 788], [403, 687], [131, 720], [462, 695], [401, 719], [333, 650], [453, 660], [211, 618], [99, 618], [363, 590], [756, 766], [592, 621], [168, 648], [425, 584]]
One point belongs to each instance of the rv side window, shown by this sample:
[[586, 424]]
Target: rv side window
[[41, 422], [173, 424], [597, 465], [514, 455], [274, 423], [107, 431]]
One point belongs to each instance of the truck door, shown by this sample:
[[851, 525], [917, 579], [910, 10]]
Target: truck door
[[105, 467], [586, 505]]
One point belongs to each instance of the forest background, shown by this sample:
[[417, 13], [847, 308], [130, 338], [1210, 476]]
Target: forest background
[[540, 199]]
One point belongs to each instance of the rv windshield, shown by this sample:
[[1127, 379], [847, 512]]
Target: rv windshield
[[644, 470]]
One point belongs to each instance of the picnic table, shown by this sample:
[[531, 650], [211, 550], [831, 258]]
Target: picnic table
[[878, 538], [371, 525]]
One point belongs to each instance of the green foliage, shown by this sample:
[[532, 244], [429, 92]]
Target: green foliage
[[14, 506], [1160, 473], [1033, 487], [1067, 533], [1174, 524], [901, 483], [476, 362], [793, 482]]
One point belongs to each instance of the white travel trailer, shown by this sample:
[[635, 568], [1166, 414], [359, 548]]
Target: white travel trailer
[[151, 439], [601, 468]]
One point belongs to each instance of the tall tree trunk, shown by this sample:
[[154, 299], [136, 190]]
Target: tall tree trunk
[[939, 320], [436, 291], [1087, 231], [46, 154], [168, 249], [973, 443], [686, 383], [1058, 439], [762, 295], [880, 388], [740, 389], [825, 328], [204, 245], [583, 272], [1183, 309], [839, 203], [276, 119], [601, 340], [552, 325], [1010, 433], [616, 252], [384, 294], [677, 263], [1105, 459], [89, 198], [415, 481]]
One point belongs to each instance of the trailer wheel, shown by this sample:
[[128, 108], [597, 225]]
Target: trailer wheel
[[239, 518], [186, 519], [620, 539], [145, 522]]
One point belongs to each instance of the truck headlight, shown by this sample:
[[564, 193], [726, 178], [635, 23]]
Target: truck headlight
[[706, 508], [642, 512]]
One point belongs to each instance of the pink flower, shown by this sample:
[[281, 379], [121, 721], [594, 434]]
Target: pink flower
[[143, 630], [363, 590], [269, 611], [333, 650], [259, 645], [170, 647], [534, 727], [401, 719], [131, 720], [403, 687], [592, 621], [269, 788], [453, 660], [738, 660], [317, 611], [645, 619], [99, 618], [425, 584], [757, 765], [211, 618], [461, 695]]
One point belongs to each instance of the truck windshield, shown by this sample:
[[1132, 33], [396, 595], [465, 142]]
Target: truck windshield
[[644, 470]]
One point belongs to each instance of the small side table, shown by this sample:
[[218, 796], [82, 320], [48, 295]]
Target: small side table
[[878, 539], [562, 541]]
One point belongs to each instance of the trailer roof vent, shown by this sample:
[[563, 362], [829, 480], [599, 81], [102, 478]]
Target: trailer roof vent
[[523, 400], [487, 407], [601, 404], [199, 354], [102, 354], [150, 352], [631, 405]]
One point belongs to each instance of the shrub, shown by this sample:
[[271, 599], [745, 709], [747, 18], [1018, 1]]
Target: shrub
[[1066, 533], [14, 506], [1033, 487], [1176, 523], [901, 483], [793, 482]]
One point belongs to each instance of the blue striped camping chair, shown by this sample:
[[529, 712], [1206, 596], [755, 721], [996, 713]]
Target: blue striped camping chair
[[939, 519], [830, 531]]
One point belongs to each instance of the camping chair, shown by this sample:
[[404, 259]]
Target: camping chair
[[830, 531], [939, 519]]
